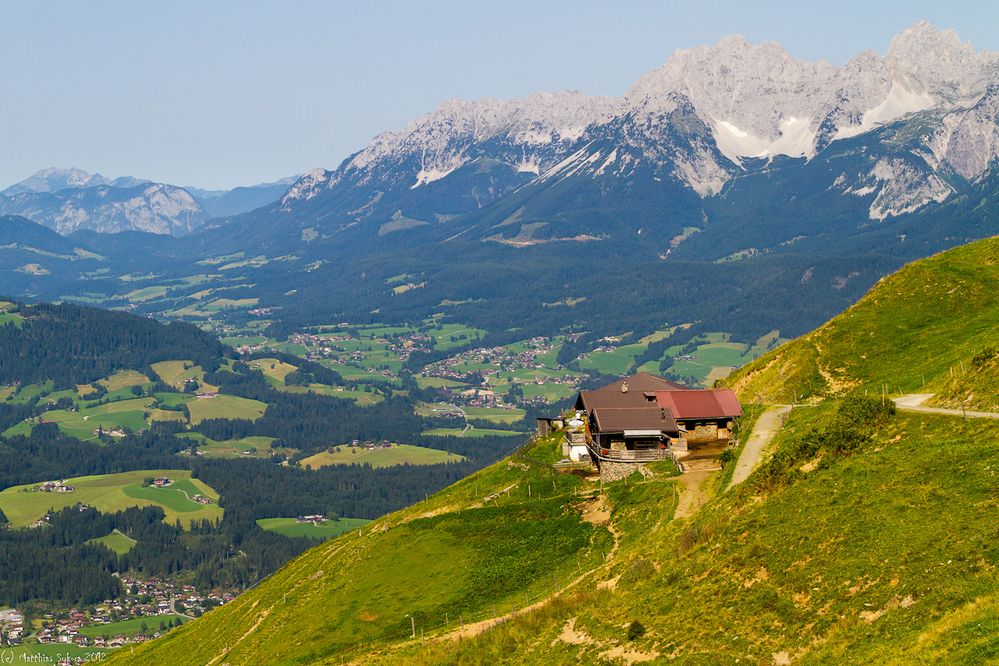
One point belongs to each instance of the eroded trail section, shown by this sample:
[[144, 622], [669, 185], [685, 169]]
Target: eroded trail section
[[766, 427]]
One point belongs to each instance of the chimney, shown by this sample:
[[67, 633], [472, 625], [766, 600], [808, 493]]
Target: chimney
[[624, 387]]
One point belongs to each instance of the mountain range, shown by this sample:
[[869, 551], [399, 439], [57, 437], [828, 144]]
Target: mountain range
[[68, 200], [734, 186], [708, 117]]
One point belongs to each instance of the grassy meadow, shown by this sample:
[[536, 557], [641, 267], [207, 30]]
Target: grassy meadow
[[398, 454], [464, 554], [224, 406], [292, 528], [118, 542], [130, 627], [113, 492]]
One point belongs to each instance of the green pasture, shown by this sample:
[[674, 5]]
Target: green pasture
[[398, 454], [290, 527], [113, 492]]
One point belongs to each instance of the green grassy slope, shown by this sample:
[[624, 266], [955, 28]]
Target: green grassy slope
[[888, 556], [398, 454], [116, 541], [291, 527], [503, 537], [885, 556], [917, 331]]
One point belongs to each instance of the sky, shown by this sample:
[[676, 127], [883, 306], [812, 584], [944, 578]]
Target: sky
[[218, 94]]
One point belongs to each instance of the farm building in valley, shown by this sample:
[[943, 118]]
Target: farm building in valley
[[644, 418]]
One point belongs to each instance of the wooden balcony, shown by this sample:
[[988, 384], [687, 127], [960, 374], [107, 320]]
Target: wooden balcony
[[633, 456]]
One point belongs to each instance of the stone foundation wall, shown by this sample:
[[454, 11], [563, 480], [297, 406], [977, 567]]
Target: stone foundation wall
[[703, 433], [615, 471]]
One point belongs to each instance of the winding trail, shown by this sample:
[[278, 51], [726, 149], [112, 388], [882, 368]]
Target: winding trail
[[766, 427], [914, 403], [694, 494]]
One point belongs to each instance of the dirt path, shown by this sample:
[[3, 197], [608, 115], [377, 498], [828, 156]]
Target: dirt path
[[694, 493], [914, 403], [766, 427]]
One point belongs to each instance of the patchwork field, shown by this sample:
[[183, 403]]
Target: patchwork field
[[398, 454], [548, 392], [84, 423], [112, 492], [494, 414], [613, 362], [362, 398], [292, 528], [437, 382], [123, 379], [11, 318], [176, 373], [274, 370]]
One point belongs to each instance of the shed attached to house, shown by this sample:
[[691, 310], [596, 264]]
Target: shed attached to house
[[702, 415]]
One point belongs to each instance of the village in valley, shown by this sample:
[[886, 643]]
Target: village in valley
[[146, 609]]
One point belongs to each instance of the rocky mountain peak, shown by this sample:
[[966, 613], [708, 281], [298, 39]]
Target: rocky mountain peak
[[936, 62], [54, 179]]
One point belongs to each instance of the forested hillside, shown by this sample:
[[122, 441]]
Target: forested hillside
[[72, 345]]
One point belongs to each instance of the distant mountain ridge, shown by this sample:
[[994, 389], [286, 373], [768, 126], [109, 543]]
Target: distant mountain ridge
[[709, 115], [68, 200]]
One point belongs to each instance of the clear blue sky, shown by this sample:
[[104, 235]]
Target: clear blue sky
[[217, 94]]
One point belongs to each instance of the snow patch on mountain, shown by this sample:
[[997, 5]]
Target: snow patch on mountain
[[899, 102], [762, 102], [447, 138]]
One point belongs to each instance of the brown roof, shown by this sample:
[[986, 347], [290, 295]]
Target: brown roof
[[642, 389], [619, 419], [590, 400], [700, 404], [643, 381]]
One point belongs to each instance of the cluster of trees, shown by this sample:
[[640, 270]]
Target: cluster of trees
[[252, 490], [72, 345], [49, 454], [56, 563]]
